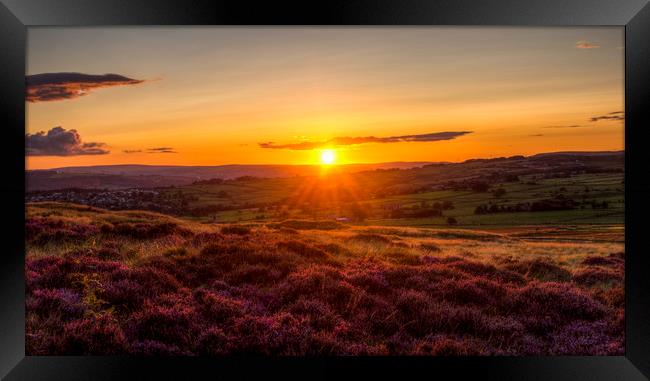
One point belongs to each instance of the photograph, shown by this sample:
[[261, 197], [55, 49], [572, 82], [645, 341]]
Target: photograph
[[325, 191]]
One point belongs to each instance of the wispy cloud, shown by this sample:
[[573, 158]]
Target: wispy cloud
[[161, 150], [151, 150], [586, 45], [616, 115], [346, 141], [565, 126], [60, 86], [61, 142]]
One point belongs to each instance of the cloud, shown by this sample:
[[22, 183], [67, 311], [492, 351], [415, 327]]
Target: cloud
[[151, 150], [346, 141], [161, 150], [61, 142], [536, 135], [565, 126], [59, 86], [616, 115], [586, 45]]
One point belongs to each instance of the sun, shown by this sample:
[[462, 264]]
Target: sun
[[327, 157]]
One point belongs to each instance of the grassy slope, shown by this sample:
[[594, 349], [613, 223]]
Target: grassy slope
[[102, 282], [601, 187]]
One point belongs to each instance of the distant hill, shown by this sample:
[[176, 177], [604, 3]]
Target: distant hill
[[403, 174], [580, 153], [151, 176]]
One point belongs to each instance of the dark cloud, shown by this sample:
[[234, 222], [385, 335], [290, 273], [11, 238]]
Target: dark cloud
[[132, 150], [59, 86], [616, 115], [346, 141], [586, 45], [61, 142], [536, 135]]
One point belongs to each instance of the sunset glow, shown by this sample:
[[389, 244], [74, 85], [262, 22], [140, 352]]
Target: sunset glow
[[215, 96]]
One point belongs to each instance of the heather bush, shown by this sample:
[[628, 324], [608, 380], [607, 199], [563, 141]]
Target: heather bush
[[203, 238], [173, 325], [585, 338], [176, 252], [64, 303], [477, 291], [407, 277], [614, 297], [217, 308], [151, 281], [540, 269], [47, 272], [542, 306], [255, 274], [213, 342], [92, 335], [42, 231], [369, 279], [603, 261], [488, 271], [302, 249], [236, 229], [124, 294], [145, 230], [319, 315], [619, 255], [310, 293], [156, 348], [322, 282], [279, 334], [103, 253], [417, 315], [440, 345], [596, 276]]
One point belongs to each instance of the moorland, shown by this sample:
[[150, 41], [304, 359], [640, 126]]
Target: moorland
[[507, 256]]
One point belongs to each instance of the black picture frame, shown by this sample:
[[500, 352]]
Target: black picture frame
[[17, 15]]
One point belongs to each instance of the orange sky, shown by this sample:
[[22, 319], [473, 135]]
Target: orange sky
[[211, 95]]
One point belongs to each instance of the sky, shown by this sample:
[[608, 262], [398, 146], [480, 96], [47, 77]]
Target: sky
[[271, 95]]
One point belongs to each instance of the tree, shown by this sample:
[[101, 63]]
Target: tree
[[498, 192], [451, 221], [480, 187], [447, 205], [512, 178], [358, 213], [481, 209]]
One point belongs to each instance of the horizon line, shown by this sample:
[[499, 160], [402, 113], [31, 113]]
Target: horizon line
[[318, 165]]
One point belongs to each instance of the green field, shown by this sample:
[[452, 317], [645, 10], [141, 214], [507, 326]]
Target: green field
[[271, 193]]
